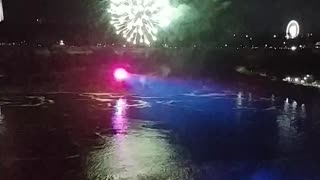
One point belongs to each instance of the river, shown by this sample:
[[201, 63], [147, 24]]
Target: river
[[166, 131]]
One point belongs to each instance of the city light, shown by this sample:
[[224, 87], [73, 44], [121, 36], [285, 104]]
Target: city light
[[293, 30], [61, 43], [139, 21], [293, 48], [304, 81]]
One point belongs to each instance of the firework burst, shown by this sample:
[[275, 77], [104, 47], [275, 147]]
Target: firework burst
[[139, 21]]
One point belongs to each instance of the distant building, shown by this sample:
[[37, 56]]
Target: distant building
[[1, 11]]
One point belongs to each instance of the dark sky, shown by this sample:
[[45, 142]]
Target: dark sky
[[22, 11], [270, 15], [255, 15]]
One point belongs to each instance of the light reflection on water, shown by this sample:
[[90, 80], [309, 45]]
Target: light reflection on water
[[119, 120], [135, 151], [138, 151], [239, 99], [217, 133], [2, 128], [288, 118], [1, 115]]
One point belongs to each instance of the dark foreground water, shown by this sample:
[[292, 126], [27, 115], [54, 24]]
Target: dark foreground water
[[190, 133]]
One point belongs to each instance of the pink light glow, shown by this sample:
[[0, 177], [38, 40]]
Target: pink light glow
[[120, 74], [120, 120]]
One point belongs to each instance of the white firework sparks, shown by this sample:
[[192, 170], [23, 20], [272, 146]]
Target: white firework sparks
[[138, 21]]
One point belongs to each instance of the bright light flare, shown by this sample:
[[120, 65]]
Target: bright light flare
[[120, 74], [138, 21]]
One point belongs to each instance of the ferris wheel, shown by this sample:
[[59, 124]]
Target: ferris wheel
[[293, 30]]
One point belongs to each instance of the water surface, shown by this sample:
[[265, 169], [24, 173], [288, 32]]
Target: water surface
[[196, 133]]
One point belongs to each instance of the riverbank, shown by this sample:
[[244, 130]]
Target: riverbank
[[61, 69]]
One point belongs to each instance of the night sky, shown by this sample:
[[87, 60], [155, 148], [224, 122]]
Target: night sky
[[247, 16], [60, 11]]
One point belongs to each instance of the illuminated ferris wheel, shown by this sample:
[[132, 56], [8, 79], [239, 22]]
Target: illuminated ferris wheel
[[293, 30]]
